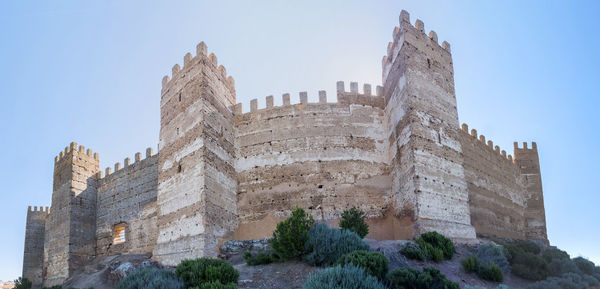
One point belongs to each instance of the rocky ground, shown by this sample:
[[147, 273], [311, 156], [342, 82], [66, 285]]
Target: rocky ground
[[104, 273]]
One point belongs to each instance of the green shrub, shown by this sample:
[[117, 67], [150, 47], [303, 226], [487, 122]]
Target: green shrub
[[195, 273], [432, 246], [566, 281], [439, 241], [260, 258], [470, 264], [409, 278], [347, 277], [492, 254], [374, 263], [53, 287], [22, 283], [487, 271], [291, 234], [354, 220], [491, 272], [586, 266], [413, 251], [527, 246], [325, 245], [216, 285], [150, 278], [553, 253], [557, 267], [525, 263]]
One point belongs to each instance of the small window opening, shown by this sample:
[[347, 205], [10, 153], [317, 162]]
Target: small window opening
[[180, 96], [179, 169], [429, 63], [119, 234]]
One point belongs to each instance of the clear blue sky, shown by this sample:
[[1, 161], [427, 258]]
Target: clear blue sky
[[91, 73]]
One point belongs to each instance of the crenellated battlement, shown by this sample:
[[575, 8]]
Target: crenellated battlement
[[489, 144], [79, 149], [343, 97], [398, 38], [525, 146], [189, 61], [126, 163], [42, 209]]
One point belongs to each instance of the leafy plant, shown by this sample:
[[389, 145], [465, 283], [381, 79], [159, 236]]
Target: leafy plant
[[325, 245], [22, 283], [354, 220], [470, 264], [374, 263], [586, 266], [290, 236], [338, 277], [260, 258], [195, 273], [432, 246], [492, 254], [566, 281], [524, 262], [216, 285], [409, 278], [491, 272], [150, 278]]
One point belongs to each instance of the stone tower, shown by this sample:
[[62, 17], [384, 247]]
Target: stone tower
[[535, 217], [71, 224], [33, 256], [197, 203], [427, 163]]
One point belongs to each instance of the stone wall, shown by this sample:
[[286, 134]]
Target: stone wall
[[33, 256], [496, 187], [323, 157], [128, 195]]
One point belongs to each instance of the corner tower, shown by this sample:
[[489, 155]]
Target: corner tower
[[427, 164], [33, 255], [197, 186], [71, 224], [535, 215]]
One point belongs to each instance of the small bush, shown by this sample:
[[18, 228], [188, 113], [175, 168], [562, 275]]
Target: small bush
[[325, 245], [470, 264], [566, 281], [552, 253], [347, 277], [525, 263], [374, 263], [413, 251], [150, 278], [491, 272], [260, 258], [53, 287], [22, 283], [290, 236], [409, 278], [438, 240], [216, 285], [432, 246], [557, 267], [195, 273], [586, 266], [492, 254], [354, 220]]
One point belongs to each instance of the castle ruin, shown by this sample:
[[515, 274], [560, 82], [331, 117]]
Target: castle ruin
[[395, 151]]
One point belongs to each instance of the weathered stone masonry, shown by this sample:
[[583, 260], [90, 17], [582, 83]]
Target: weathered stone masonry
[[395, 151]]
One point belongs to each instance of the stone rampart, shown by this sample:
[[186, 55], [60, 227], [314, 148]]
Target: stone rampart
[[496, 188], [324, 157], [128, 196]]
